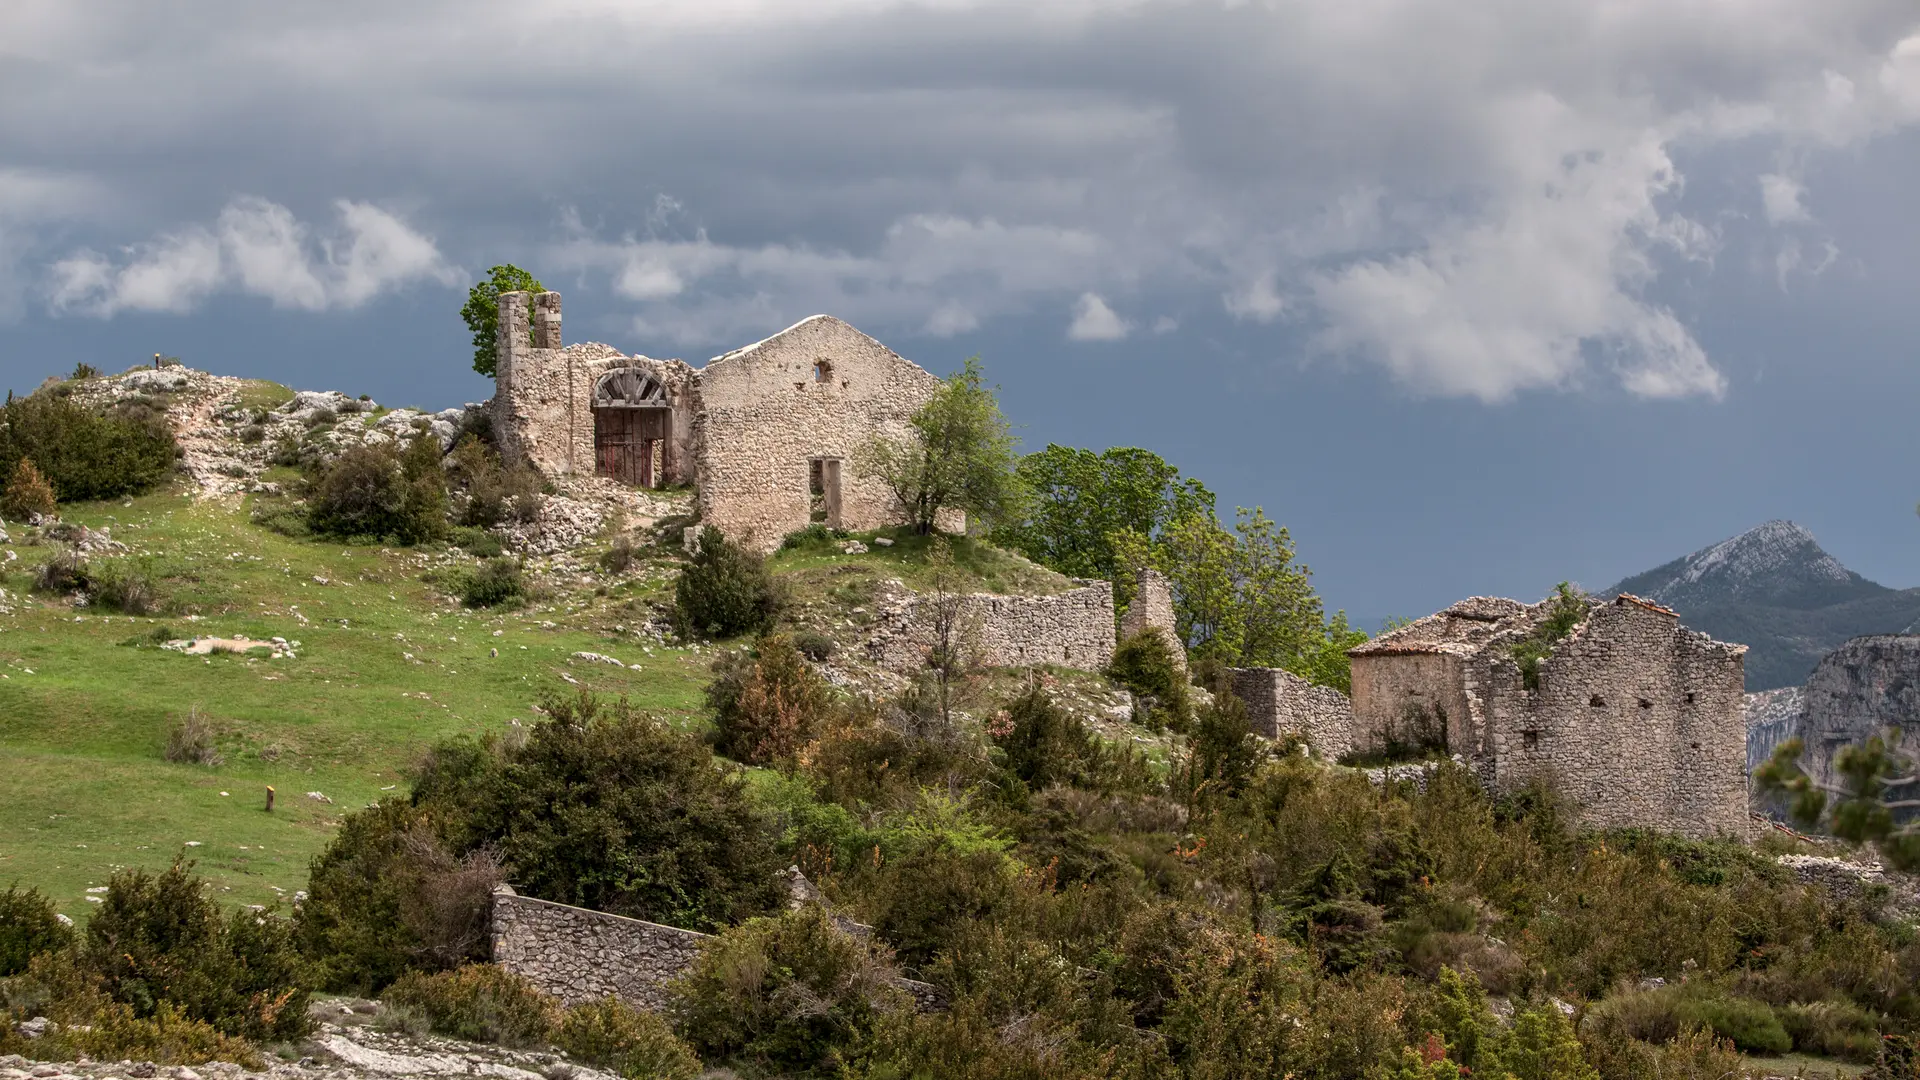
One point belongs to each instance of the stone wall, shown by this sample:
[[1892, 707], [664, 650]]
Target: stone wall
[[1281, 703], [1387, 686], [817, 390], [1072, 629], [577, 955], [1152, 609], [580, 955], [1637, 720]]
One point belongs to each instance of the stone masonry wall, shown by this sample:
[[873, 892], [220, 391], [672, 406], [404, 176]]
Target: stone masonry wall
[[1071, 629], [1281, 703], [1387, 685], [580, 955], [1152, 608], [577, 955], [1637, 720], [766, 414]]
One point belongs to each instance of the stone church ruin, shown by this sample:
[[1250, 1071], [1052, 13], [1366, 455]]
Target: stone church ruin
[[765, 433]]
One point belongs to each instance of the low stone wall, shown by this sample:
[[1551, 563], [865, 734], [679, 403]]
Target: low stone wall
[[1280, 703], [577, 954], [1071, 629], [580, 955]]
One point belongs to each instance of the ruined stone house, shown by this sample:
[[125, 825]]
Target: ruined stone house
[[1635, 719], [766, 433]]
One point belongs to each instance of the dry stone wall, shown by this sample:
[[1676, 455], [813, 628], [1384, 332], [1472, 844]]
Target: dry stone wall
[[1281, 703], [1072, 629], [1152, 609], [1637, 720], [579, 955]]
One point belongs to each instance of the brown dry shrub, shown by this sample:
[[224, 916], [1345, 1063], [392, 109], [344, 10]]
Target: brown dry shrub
[[27, 493]]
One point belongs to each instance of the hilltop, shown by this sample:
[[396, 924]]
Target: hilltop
[[1776, 590]]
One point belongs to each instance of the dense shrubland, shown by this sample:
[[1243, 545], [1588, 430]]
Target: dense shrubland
[[79, 453]]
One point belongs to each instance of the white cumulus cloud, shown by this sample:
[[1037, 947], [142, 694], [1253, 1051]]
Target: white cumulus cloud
[[1783, 199], [258, 248], [1093, 320]]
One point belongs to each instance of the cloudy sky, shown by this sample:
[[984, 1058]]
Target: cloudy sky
[[1472, 296]]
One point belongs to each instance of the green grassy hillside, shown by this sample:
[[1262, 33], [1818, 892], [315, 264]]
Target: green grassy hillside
[[386, 664]]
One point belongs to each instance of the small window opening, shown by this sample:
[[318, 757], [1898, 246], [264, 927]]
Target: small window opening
[[1689, 697], [1530, 739], [1645, 703], [822, 371], [1696, 746], [1597, 701]]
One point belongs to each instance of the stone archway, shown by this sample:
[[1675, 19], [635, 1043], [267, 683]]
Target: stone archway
[[632, 424]]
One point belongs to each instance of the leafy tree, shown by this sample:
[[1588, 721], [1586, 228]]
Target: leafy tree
[[82, 454], [725, 590], [1083, 500], [482, 311], [1866, 808], [768, 706], [959, 457]]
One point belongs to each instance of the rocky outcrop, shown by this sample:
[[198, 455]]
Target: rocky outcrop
[[1861, 689]]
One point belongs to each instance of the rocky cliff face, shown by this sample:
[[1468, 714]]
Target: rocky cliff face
[[1775, 590], [1861, 689]]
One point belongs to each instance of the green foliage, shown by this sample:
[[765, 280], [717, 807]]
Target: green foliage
[[1144, 663], [1043, 745], [1899, 1060], [1325, 661], [89, 1025], [479, 1003], [84, 455], [1864, 813], [1222, 752], [27, 493], [481, 312], [724, 590], [1568, 609], [789, 993], [768, 705], [158, 940], [633, 1044], [1541, 1045], [960, 457], [377, 493], [29, 926], [1083, 500], [494, 583], [129, 586], [492, 492], [1838, 1029], [610, 809]]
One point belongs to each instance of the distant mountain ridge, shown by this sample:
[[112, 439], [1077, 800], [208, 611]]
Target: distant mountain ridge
[[1774, 589]]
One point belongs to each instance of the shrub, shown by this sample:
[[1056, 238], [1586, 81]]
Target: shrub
[[253, 434], [1541, 1045], [724, 590], [793, 992], [620, 555], [84, 455], [1043, 745], [493, 583], [27, 493], [478, 542], [372, 491], [83, 371], [1144, 664], [493, 492], [190, 741], [1838, 1029], [110, 1031], [768, 706], [29, 926], [156, 939], [815, 645], [633, 1044], [124, 585], [479, 1003], [281, 516], [613, 810], [63, 574], [1567, 610], [1663, 1014]]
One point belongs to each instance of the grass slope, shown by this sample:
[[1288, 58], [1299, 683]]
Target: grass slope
[[85, 712]]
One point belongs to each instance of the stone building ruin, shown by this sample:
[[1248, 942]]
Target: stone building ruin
[[766, 433], [1636, 719]]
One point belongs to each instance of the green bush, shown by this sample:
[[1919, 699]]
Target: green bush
[[63, 574], [493, 583], [768, 705], [128, 585], [157, 939], [377, 493], [1144, 663], [29, 926], [102, 1030], [791, 993], [493, 493], [1663, 1014], [477, 542], [633, 1044], [815, 645], [1568, 608], [610, 809], [1837, 1029], [82, 454], [479, 1003], [1043, 745], [724, 590]]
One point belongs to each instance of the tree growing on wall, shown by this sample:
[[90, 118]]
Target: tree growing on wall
[[482, 311], [1880, 784], [959, 457]]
